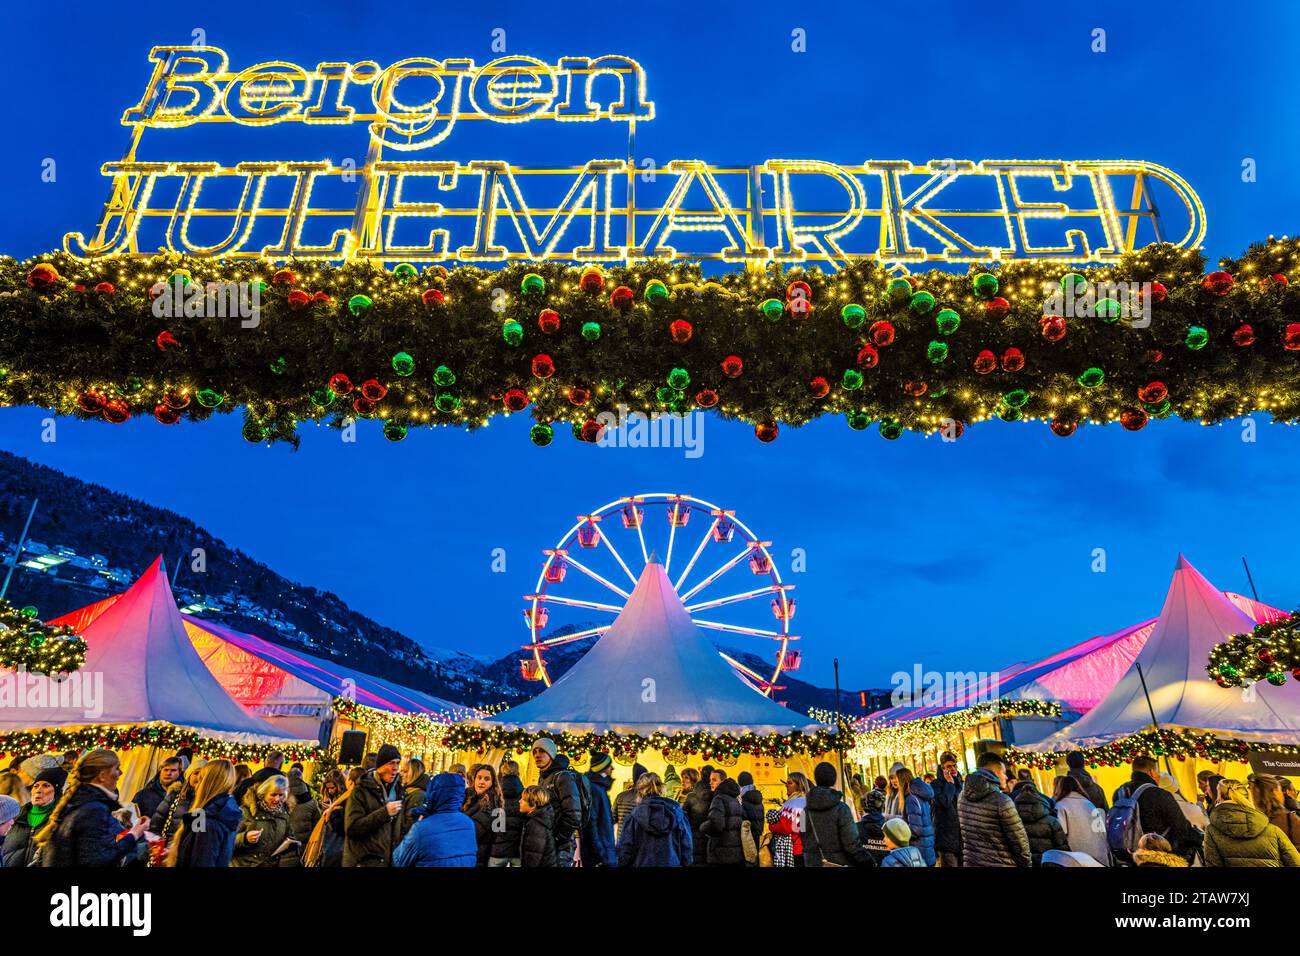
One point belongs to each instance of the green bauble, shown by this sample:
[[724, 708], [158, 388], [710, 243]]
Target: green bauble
[[947, 321], [29, 611], [1016, 398], [1009, 413], [181, 276], [532, 284], [323, 397], [278, 365], [404, 365], [261, 286], [541, 435], [209, 397], [359, 304], [1197, 338], [852, 379], [1108, 310], [131, 386], [512, 332], [1276, 678], [679, 379], [254, 432], [898, 291], [1157, 410], [1091, 377], [985, 285], [666, 394], [1072, 280], [656, 292], [853, 315], [921, 303], [394, 431], [939, 392], [446, 402], [444, 377], [773, 309], [591, 331], [937, 352], [857, 420], [891, 429], [405, 272], [1229, 671]]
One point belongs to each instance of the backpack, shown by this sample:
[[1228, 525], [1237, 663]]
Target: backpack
[[747, 844], [584, 798], [1123, 826]]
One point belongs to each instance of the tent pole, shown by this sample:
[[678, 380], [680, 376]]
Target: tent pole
[[1154, 723], [1249, 577], [840, 748], [18, 550]]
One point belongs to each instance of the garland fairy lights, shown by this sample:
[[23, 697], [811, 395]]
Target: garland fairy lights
[[29, 644], [1269, 653], [1178, 744], [410, 733], [877, 739], [130, 736], [574, 346]]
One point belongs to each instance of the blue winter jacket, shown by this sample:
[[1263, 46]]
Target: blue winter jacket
[[655, 833], [904, 856], [919, 817], [598, 834], [214, 845], [443, 836]]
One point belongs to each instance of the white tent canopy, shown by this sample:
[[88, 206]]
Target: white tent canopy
[[1195, 618], [653, 670], [141, 668]]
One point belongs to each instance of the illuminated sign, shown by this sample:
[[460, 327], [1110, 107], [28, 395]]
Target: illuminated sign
[[422, 209]]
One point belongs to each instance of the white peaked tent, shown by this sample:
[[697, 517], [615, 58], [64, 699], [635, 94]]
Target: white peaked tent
[[1195, 617], [150, 673], [653, 670]]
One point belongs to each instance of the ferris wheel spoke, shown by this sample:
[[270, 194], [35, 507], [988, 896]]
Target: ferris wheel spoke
[[672, 535], [596, 577], [734, 598], [619, 558], [696, 556], [569, 638], [718, 573], [575, 602], [746, 671], [738, 629]]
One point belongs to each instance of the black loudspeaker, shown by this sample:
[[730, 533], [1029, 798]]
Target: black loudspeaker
[[352, 748], [985, 744]]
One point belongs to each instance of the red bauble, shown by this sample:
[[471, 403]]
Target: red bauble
[[819, 387], [798, 289], [765, 431], [42, 277], [985, 362], [515, 399], [90, 401], [1155, 356], [1291, 337], [283, 277], [882, 333], [105, 288], [166, 415], [1063, 428], [706, 398], [321, 297], [592, 281], [915, 389], [1133, 419], [176, 398], [997, 308], [1158, 292], [1053, 327], [681, 331], [577, 395], [543, 366], [340, 384], [431, 297], [78, 287], [116, 411], [362, 405], [298, 298], [548, 320], [1013, 360], [1153, 393], [165, 340], [952, 429], [591, 430], [373, 390], [733, 366], [1244, 335], [868, 357], [1278, 279], [622, 298], [1217, 283]]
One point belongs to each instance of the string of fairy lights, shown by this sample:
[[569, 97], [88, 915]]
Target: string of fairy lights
[[571, 345], [1179, 745], [409, 732], [882, 738], [130, 736], [1270, 653], [29, 644]]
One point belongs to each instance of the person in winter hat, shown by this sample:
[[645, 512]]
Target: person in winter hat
[[9, 810], [1192, 811], [1041, 825], [871, 827], [830, 831], [655, 833], [565, 790], [372, 815], [1089, 787], [19, 845], [672, 782], [991, 831], [626, 800], [898, 836], [751, 802], [1240, 835], [598, 833], [443, 836]]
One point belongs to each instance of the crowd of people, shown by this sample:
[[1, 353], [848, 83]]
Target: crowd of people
[[66, 811]]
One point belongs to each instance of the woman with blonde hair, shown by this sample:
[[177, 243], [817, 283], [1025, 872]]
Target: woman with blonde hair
[[1240, 835], [1266, 795], [786, 824], [212, 844], [82, 830], [265, 826], [655, 833]]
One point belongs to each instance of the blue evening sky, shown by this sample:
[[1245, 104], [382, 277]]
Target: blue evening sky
[[967, 555]]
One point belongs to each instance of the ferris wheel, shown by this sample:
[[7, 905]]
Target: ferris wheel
[[583, 577]]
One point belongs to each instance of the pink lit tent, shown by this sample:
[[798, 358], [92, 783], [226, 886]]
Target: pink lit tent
[[1195, 618]]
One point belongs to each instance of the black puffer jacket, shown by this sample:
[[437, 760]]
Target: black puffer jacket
[[505, 844], [830, 832], [947, 829], [483, 811], [696, 807], [991, 831], [1041, 826], [149, 796], [370, 831], [751, 802], [19, 848], [87, 834], [166, 820], [722, 826], [302, 821], [562, 783], [537, 840], [1158, 812], [412, 800]]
